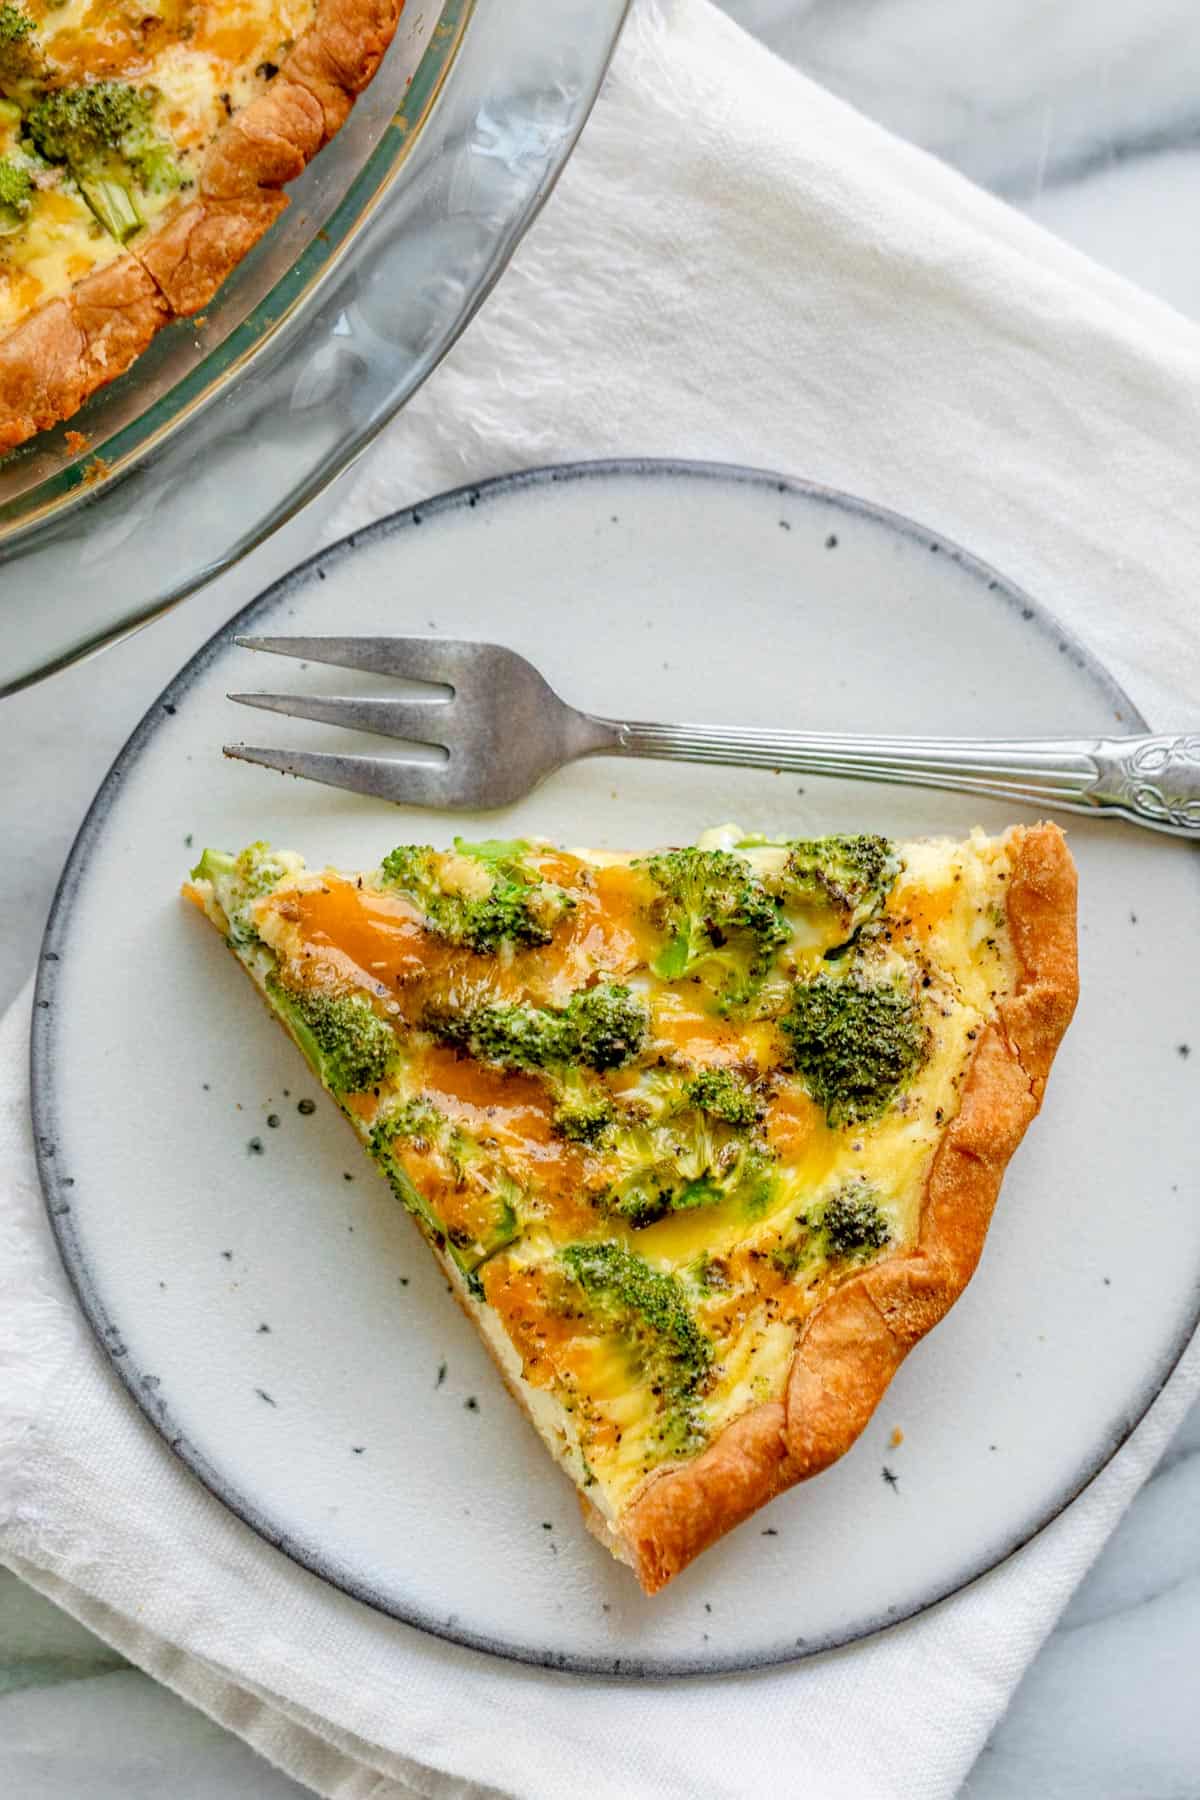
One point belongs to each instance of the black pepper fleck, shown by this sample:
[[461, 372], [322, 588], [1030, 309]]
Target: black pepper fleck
[[471, 1403], [441, 1375], [831, 542], [273, 1121], [255, 1146], [307, 1107], [263, 1395], [892, 1479]]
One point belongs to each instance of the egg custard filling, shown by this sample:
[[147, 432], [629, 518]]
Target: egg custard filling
[[652, 1110]]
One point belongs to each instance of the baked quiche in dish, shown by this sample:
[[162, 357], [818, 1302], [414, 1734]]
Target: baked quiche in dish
[[143, 148], [705, 1139]]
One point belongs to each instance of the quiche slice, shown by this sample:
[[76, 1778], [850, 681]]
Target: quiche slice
[[704, 1139], [143, 146]]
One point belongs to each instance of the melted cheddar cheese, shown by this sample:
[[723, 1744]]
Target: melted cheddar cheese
[[610, 1109]]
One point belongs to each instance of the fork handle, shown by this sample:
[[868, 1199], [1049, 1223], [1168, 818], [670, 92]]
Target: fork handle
[[1150, 780]]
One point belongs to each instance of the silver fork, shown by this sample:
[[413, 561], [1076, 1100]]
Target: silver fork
[[502, 729]]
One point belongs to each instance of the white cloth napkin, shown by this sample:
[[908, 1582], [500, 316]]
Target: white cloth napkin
[[736, 266]]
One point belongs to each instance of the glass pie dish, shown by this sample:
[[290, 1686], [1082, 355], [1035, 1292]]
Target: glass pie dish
[[229, 423]]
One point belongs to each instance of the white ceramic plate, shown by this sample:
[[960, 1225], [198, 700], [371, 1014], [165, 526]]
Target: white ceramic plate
[[275, 1313]]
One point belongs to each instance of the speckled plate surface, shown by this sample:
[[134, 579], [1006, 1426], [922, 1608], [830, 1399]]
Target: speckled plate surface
[[273, 1310]]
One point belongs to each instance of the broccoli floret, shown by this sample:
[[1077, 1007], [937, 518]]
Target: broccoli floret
[[849, 1227], [599, 1028], [417, 1122], [19, 58], [238, 881], [86, 125], [606, 1026], [853, 875], [15, 25], [668, 1151], [485, 1196], [720, 924], [102, 131], [654, 1188], [16, 194], [723, 1095], [649, 1308], [215, 865], [583, 1110], [516, 907], [504, 1033], [258, 870], [852, 1221], [505, 855], [855, 1041], [643, 1179], [344, 1038]]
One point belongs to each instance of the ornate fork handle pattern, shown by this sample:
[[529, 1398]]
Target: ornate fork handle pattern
[[1150, 780], [1155, 779]]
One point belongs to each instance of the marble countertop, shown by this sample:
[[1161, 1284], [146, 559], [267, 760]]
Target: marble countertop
[[1083, 113]]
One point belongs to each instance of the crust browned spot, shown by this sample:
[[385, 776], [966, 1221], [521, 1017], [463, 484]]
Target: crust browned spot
[[852, 1345], [191, 256], [340, 52], [267, 144], [67, 349]]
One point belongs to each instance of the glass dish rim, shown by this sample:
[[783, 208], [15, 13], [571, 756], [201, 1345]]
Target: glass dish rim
[[329, 461]]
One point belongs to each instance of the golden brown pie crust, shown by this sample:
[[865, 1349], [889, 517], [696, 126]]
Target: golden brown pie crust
[[851, 1347], [67, 348], [853, 1344]]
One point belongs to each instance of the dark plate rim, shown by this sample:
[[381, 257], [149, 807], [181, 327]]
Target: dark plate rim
[[56, 1184]]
